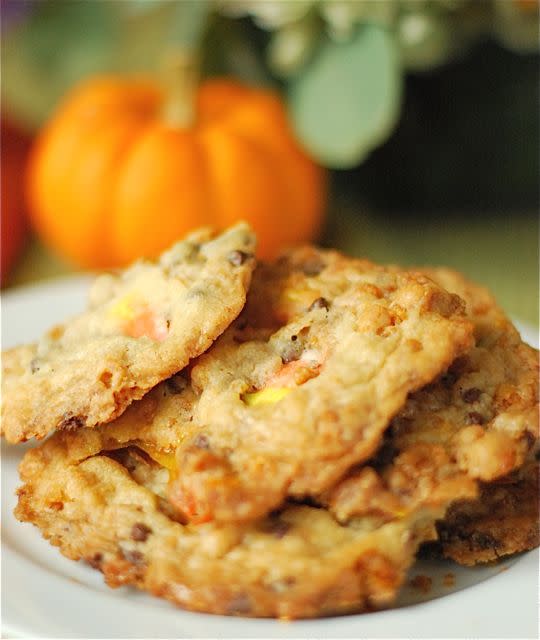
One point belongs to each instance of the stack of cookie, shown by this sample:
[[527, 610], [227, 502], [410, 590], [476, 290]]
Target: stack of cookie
[[276, 439]]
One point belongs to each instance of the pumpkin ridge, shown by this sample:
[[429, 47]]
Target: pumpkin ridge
[[305, 211], [244, 179], [278, 162], [70, 173], [105, 224], [158, 182]]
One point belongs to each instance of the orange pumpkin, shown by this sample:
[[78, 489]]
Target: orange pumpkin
[[111, 179]]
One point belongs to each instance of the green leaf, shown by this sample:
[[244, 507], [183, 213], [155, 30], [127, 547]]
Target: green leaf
[[59, 43], [346, 102], [63, 41], [232, 47]]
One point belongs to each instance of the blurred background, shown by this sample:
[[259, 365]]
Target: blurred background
[[401, 130]]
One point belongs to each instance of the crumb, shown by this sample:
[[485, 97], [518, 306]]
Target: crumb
[[422, 583], [449, 580]]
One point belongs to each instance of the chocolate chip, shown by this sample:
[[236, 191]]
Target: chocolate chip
[[70, 423], [471, 395], [460, 365], [201, 442], [530, 440], [140, 532], [319, 303], [237, 258], [135, 557], [176, 384], [280, 529], [239, 604], [313, 267], [456, 369], [95, 561], [277, 528], [448, 379], [475, 418], [294, 338]]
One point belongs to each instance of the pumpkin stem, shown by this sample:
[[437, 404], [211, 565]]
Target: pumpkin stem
[[180, 80]]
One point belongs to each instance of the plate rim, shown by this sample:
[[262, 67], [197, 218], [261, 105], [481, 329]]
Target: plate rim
[[380, 624]]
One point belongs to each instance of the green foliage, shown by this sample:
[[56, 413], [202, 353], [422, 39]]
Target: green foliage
[[235, 47], [425, 40], [340, 62], [63, 41], [292, 46], [346, 101], [50, 51]]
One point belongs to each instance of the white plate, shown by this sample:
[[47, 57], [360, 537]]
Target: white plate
[[44, 595]]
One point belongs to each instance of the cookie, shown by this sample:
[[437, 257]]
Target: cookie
[[303, 385], [503, 521], [484, 409], [141, 326], [271, 410], [482, 414], [110, 508]]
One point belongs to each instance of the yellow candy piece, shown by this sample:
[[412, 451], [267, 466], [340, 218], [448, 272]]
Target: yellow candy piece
[[265, 396], [166, 459], [292, 294], [123, 309], [298, 295]]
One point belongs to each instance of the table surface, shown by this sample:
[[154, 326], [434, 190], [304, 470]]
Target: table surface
[[498, 250]]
